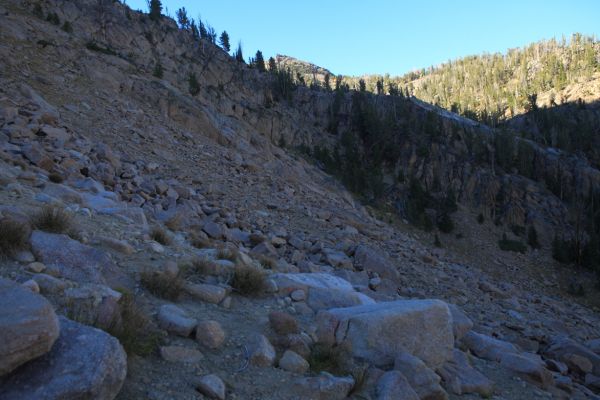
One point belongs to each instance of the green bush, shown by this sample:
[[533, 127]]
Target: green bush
[[506, 244], [93, 46], [532, 238], [445, 223], [14, 236], [158, 71], [194, 85]]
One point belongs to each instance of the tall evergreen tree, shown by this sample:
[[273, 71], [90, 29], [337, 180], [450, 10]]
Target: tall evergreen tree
[[224, 41], [239, 55], [327, 83], [182, 18], [194, 29], [272, 65], [202, 29], [259, 61], [155, 9]]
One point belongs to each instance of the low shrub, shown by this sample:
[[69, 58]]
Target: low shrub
[[161, 236], [14, 236], [162, 285], [506, 244], [54, 219], [248, 280]]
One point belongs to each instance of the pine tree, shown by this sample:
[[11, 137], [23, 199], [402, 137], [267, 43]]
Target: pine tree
[[211, 34], [194, 29], [194, 85], [327, 83], [362, 86], [272, 65], [239, 55], [259, 61], [224, 41], [182, 18], [155, 7], [202, 29]]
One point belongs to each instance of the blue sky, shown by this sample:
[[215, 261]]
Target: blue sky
[[355, 37]]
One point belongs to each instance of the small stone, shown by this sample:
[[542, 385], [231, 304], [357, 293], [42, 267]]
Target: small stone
[[36, 267], [262, 353], [283, 323], [298, 295], [174, 320], [212, 386], [213, 230], [205, 292], [393, 386], [49, 284], [117, 245], [180, 354], [210, 334], [31, 285], [157, 247], [24, 256], [293, 362], [578, 364]]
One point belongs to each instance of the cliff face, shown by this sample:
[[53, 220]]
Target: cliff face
[[238, 106]]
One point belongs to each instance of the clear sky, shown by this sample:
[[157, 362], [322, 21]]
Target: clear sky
[[355, 37]]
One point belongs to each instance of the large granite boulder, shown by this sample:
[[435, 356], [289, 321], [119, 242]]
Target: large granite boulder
[[28, 326], [372, 260], [379, 332], [76, 261], [84, 363], [322, 290]]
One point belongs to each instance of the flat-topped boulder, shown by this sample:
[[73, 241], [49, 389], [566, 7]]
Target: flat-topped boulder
[[76, 261], [322, 291], [84, 363], [28, 326], [380, 332]]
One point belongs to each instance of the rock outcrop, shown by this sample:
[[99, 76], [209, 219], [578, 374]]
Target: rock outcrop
[[380, 332], [84, 363], [28, 326]]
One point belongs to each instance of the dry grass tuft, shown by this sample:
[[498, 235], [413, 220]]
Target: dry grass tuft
[[224, 253], [161, 236], [135, 329], [14, 236], [54, 220], [162, 284], [248, 280], [55, 177], [174, 223]]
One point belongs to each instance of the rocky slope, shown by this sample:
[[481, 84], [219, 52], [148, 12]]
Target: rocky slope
[[271, 281]]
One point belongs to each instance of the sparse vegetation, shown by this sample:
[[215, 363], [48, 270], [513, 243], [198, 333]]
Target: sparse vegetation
[[161, 236], [14, 236], [55, 177], [194, 85], [506, 244], [333, 359], [224, 253], [174, 223], [67, 27], [135, 329], [199, 267], [54, 219], [162, 284], [248, 280], [155, 9], [532, 238], [53, 18], [158, 71], [93, 46], [480, 219]]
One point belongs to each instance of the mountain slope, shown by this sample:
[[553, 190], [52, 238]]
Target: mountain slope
[[221, 172]]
